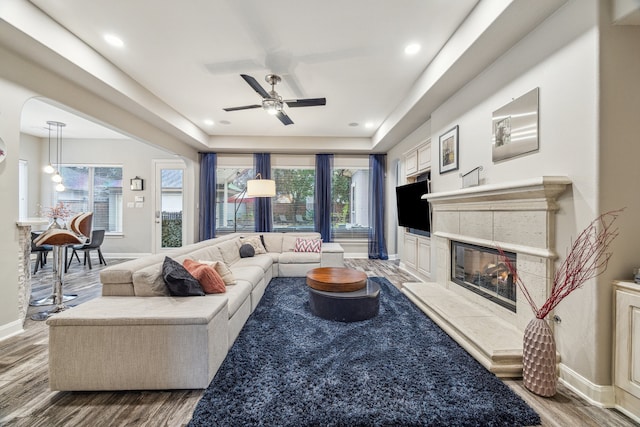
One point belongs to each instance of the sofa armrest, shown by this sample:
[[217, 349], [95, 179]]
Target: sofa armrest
[[332, 255]]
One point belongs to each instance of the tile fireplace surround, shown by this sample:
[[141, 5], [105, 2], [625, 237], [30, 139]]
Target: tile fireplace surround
[[518, 217]]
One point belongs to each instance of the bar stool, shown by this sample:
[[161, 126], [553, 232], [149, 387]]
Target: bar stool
[[59, 239]]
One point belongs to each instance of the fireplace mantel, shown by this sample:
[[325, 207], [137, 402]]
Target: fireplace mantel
[[541, 191]]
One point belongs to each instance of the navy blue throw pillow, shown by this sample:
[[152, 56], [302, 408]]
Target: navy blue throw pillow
[[247, 251], [178, 280]]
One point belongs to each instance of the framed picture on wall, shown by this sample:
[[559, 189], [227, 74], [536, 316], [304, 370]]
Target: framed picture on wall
[[515, 127], [449, 150]]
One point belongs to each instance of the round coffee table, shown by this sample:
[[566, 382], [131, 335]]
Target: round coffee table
[[342, 294]]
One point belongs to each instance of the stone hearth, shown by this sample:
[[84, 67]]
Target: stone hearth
[[518, 217]]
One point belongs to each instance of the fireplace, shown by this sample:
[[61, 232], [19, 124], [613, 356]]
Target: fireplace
[[482, 270], [474, 298]]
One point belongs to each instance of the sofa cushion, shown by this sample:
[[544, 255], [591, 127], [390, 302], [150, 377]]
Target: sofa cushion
[[299, 257], [264, 261], [237, 295], [307, 245], [179, 281], [230, 251], [249, 273], [247, 251], [223, 271], [206, 275], [272, 242], [148, 282], [255, 242], [289, 239], [211, 253]]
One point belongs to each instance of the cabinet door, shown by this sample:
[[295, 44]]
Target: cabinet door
[[424, 157], [410, 250], [411, 163], [627, 345], [424, 256]]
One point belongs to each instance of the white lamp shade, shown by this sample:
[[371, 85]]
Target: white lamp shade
[[261, 188]]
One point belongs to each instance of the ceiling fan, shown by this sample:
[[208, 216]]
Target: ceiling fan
[[273, 103]]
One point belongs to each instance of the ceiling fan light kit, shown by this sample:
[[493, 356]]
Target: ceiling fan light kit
[[273, 103]]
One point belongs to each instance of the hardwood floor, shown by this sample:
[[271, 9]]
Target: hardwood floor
[[25, 398]]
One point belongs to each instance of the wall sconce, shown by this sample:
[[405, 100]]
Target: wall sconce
[[137, 184]]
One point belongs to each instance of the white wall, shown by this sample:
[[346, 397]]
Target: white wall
[[31, 151], [582, 136]]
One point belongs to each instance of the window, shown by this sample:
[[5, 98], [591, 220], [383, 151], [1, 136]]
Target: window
[[234, 211], [96, 189], [293, 205], [350, 193]]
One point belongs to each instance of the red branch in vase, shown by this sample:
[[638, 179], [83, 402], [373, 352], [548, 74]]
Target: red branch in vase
[[587, 259]]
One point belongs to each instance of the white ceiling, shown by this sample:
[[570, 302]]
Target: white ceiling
[[190, 54]]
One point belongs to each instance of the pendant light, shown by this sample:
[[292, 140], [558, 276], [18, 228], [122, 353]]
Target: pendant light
[[57, 178], [49, 168]]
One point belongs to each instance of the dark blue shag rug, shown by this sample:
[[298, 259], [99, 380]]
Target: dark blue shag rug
[[290, 368]]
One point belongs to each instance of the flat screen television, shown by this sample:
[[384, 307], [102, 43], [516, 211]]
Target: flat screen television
[[413, 211]]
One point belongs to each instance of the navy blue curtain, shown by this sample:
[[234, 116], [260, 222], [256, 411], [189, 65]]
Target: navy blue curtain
[[377, 244], [207, 226], [322, 205], [263, 216]]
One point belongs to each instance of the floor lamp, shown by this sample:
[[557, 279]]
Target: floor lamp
[[255, 188]]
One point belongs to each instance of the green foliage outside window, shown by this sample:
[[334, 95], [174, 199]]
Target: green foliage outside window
[[171, 230]]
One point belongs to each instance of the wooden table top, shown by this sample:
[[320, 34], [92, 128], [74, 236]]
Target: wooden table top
[[336, 279]]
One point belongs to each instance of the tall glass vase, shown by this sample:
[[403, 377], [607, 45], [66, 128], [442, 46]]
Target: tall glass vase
[[539, 358], [55, 223]]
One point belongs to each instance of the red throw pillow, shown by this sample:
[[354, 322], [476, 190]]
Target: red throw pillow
[[208, 277]]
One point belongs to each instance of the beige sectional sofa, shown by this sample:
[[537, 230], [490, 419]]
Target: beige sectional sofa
[[137, 337]]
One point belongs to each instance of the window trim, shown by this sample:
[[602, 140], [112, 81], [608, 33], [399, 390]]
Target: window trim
[[91, 201]]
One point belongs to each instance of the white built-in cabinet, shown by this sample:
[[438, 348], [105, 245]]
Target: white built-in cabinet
[[424, 157], [417, 160], [626, 348], [424, 256], [416, 256], [410, 255], [411, 162]]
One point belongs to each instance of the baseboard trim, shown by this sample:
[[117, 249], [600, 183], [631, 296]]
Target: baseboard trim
[[602, 396], [11, 329]]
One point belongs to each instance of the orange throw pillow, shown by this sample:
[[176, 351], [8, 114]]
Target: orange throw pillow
[[208, 277]]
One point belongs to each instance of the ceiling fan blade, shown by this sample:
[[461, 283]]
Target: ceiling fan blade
[[255, 85], [309, 102], [244, 107], [284, 118]]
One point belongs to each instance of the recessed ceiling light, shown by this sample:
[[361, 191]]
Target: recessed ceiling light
[[353, 124], [208, 122], [368, 125], [225, 122], [412, 49], [113, 40]]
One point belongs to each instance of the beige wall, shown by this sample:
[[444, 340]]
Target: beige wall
[[618, 152], [11, 103], [589, 95], [561, 58]]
